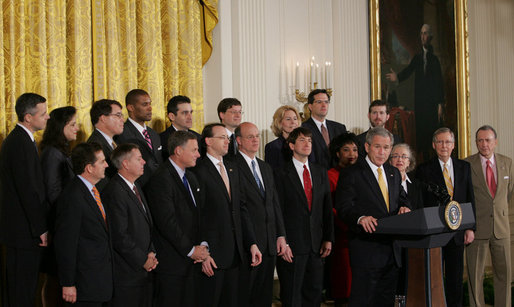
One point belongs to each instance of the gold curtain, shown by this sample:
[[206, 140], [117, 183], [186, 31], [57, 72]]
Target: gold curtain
[[74, 52]]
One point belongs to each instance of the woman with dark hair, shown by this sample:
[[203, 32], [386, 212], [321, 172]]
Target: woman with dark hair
[[285, 120], [345, 152], [61, 129]]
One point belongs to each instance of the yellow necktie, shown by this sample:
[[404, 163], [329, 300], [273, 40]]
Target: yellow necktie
[[383, 187], [448, 181]]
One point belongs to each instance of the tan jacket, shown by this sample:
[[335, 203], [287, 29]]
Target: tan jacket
[[492, 215]]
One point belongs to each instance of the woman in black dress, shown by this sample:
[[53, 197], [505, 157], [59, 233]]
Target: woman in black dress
[[285, 120]]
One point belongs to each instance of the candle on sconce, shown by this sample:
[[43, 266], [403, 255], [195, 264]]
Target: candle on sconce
[[329, 74], [297, 76], [318, 80], [311, 79]]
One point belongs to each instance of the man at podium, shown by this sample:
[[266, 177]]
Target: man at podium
[[366, 191]]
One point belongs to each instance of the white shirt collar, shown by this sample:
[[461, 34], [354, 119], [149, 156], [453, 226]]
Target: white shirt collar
[[181, 172], [28, 131], [130, 184], [229, 133], [107, 138], [318, 123], [483, 160], [137, 125]]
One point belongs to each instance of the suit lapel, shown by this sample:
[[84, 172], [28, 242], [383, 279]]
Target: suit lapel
[[138, 136], [501, 171], [373, 183], [216, 176], [319, 136], [297, 183], [247, 172], [133, 196], [94, 206], [391, 187], [180, 183]]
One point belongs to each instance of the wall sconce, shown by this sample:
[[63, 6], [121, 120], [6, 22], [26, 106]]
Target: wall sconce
[[318, 77]]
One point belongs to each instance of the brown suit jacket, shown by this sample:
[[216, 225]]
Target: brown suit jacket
[[492, 215]]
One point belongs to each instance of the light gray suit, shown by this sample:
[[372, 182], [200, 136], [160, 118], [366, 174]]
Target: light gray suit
[[492, 231]]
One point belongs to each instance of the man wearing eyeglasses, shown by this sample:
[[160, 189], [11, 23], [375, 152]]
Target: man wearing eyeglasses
[[323, 130], [258, 187], [230, 114], [454, 176], [107, 119]]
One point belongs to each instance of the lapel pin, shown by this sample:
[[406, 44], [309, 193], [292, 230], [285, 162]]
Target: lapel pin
[[198, 190], [229, 169]]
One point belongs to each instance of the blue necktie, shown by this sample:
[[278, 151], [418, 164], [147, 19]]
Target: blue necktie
[[259, 183], [186, 184]]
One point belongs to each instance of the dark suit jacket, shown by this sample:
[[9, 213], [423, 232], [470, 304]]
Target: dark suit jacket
[[224, 221], [264, 211], [131, 232], [97, 137], [165, 135], [176, 218], [22, 192], [57, 172], [152, 157], [430, 173], [320, 154], [306, 230], [83, 244], [362, 139], [358, 194]]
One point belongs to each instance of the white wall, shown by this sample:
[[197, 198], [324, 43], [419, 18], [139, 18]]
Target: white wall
[[257, 42]]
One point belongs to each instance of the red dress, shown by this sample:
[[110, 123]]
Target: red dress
[[339, 264]]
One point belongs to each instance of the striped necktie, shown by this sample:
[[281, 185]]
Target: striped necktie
[[98, 201], [448, 181], [147, 138]]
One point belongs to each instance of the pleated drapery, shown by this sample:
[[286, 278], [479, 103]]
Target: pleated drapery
[[74, 52]]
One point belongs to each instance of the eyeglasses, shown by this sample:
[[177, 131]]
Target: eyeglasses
[[321, 101], [403, 157], [221, 137], [118, 115], [235, 112], [443, 142]]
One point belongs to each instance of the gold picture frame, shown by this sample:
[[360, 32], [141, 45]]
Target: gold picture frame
[[461, 67]]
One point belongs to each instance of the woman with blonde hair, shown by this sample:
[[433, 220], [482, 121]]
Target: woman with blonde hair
[[285, 120]]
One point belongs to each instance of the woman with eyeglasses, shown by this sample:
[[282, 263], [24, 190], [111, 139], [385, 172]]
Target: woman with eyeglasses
[[344, 150], [285, 120], [61, 129]]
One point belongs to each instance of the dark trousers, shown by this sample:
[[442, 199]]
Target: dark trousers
[[22, 269], [174, 290], [88, 304], [132, 296], [374, 286], [256, 283], [453, 263], [301, 282], [218, 290]]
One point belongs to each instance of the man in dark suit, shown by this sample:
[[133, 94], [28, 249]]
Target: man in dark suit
[[428, 90], [323, 130], [304, 194], [454, 176], [230, 114], [139, 107], [174, 198], [258, 187], [378, 115], [23, 228], [131, 229], [82, 239], [367, 191], [180, 114], [107, 119], [224, 223]]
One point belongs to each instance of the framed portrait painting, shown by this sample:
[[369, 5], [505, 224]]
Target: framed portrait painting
[[419, 66]]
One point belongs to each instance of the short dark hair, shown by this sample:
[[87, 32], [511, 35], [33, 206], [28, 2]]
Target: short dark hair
[[172, 106], [227, 103], [379, 103], [82, 155], [54, 131], [102, 107], [179, 138], [133, 96], [485, 128], [26, 104], [310, 98], [207, 130], [341, 140], [291, 139]]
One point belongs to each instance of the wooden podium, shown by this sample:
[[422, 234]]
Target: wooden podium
[[423, 232]]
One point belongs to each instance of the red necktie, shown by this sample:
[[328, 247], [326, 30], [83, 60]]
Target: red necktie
[[489, 177], [307, 186]]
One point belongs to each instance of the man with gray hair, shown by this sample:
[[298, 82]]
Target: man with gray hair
[[454, 176], [367, 191], [493, 183], [131, 229], [428, 89]]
